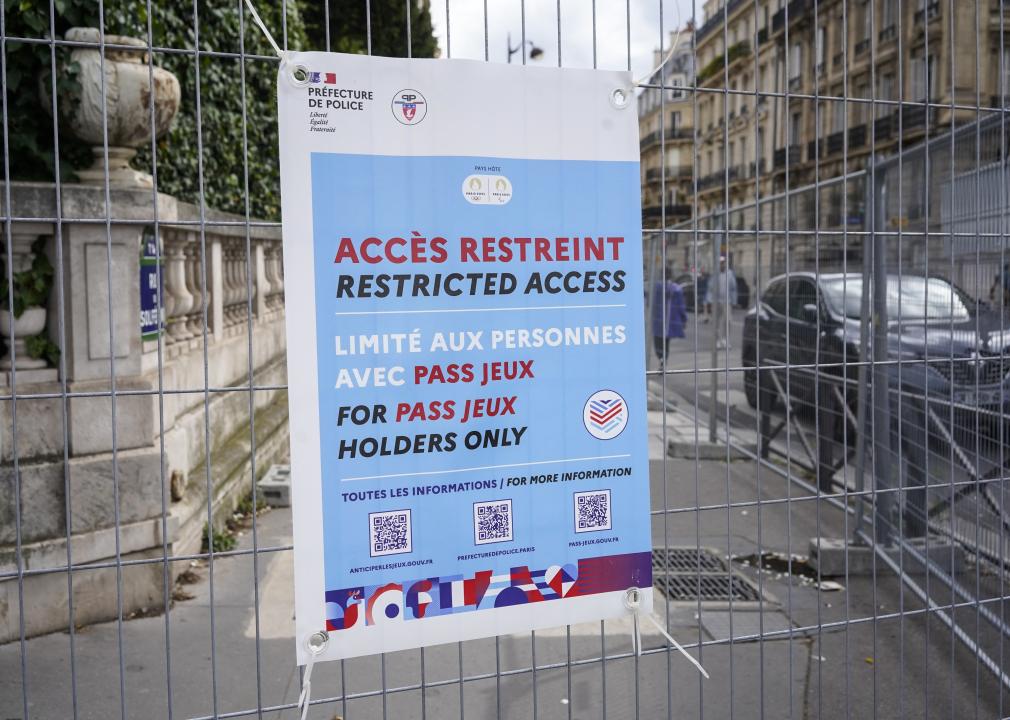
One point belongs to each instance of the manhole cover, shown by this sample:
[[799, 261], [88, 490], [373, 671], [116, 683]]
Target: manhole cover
[[686, 560], [692, 574]]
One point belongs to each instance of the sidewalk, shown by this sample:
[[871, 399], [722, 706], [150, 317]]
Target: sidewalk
[[783, 668]]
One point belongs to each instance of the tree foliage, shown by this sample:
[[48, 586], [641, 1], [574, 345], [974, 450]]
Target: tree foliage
[[236, 130], [349, 29]]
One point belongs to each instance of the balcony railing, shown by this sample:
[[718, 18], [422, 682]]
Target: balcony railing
[[861, 47], [913, 118], [836, 142], [655, 212], [797, 9], [887, 34], [711, 180], [883, 127], [791, 155], [672, 173], [857, 136], [655, 136], [716, 20]]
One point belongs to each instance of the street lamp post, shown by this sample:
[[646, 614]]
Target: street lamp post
[[535, 52]]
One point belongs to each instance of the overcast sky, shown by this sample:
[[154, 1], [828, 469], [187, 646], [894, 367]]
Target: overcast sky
[[466, 22]]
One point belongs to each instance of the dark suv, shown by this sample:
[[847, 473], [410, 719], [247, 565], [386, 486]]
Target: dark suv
[[952, 350], [947, 371]]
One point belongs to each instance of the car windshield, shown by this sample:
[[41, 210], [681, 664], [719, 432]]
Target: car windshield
[[908, 298]]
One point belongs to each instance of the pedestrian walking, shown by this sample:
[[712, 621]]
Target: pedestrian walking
[[721, 299], [669, 316], [701, 294]]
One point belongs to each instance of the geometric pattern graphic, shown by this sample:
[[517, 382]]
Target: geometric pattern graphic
[[419, 598], [605, 414]]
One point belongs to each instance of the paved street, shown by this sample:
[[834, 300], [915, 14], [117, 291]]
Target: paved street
[[789, 654]]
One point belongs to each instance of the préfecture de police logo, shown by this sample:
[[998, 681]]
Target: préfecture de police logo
[[409, 106]]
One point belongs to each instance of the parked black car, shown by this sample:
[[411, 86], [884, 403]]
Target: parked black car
[[954, 358], [946, 341]]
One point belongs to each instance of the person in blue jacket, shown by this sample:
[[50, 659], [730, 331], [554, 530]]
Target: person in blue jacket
[[669, 316]]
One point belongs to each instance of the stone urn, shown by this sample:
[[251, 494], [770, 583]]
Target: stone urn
[[31, 322], [129, 78]]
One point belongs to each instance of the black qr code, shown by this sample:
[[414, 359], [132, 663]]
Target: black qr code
[[389, 532], [592, 511], [492, 521]]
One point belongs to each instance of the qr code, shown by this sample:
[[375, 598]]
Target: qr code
[[389, 532], [492, 521], [592, 511]]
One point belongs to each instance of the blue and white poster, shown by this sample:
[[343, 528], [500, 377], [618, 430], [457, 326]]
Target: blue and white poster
[[466, 356]]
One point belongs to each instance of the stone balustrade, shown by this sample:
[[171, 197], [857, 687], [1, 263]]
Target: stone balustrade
[[220, 277], [167, 423]]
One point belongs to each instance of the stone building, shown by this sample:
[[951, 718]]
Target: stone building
[[666, 132], [792, 94]]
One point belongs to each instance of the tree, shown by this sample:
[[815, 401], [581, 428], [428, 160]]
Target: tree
[[221, 131], [349, 29]]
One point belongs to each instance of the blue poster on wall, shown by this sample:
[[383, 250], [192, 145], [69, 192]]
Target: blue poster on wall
[[465, 349]]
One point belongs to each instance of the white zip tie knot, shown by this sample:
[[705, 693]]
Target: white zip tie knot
[[316, 643], [633, 601]]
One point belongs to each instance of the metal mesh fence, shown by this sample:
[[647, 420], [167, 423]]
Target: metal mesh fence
[[825, 191]]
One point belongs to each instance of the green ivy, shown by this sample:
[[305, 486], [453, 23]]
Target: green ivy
[[230, 157], [41, 347], [225, 161], [741, 49], [31, 285]]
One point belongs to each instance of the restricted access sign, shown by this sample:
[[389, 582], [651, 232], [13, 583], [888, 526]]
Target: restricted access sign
[[462, 248]]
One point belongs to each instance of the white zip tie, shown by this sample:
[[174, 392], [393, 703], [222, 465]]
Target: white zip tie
[[316, 643], [632, 601], [676, 44], [270, 38]]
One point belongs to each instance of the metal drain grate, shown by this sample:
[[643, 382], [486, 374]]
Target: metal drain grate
[[686, 560], [676, 573], [708, 588]]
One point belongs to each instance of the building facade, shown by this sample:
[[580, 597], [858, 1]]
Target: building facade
[[666, 132], [790, 94]]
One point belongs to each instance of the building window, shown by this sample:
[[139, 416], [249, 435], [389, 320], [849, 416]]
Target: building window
[[923, 78], [677, 85], [795, 58], [822, 32], [1005, 84], [837, 116], [886, 93], [867, 19], [794, 128], [889, 15], [862, 111]]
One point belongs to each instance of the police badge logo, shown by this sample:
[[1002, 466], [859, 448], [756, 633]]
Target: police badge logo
[[409, 106]]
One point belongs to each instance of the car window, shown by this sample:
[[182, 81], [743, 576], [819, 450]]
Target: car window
[[908, 298], [775, 297], [801, 292]]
